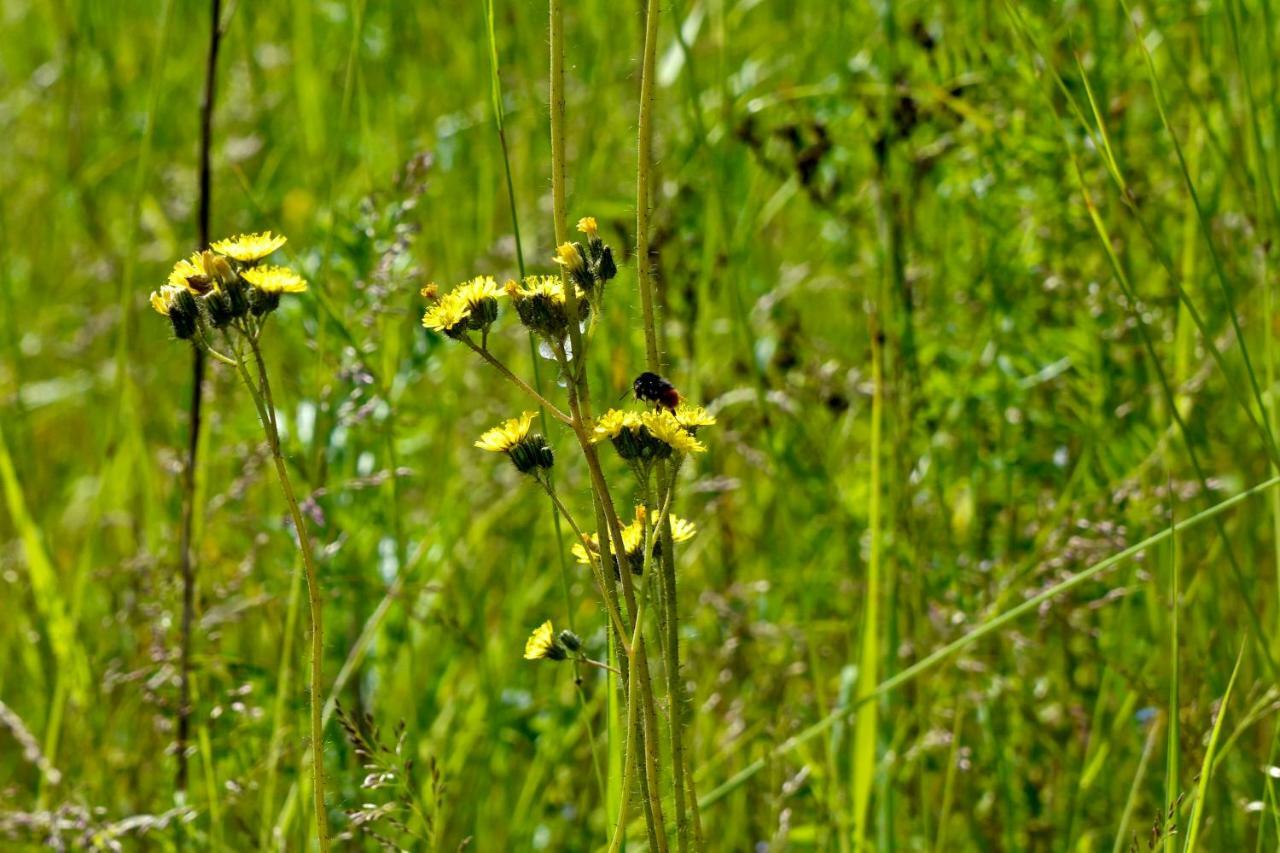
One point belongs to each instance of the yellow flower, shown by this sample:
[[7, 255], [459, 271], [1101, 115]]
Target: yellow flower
[[663, 426], [542, 644], [250, 248], [477, 290], [633, 540], [187, 269], [691, 417], [567, 256], [216, 267], [275, 280], [447, 314], [549, 286], [540, 303], [472, 304], [587, 225], [613, 422], [162, 299], [682, 530], [506, 435]]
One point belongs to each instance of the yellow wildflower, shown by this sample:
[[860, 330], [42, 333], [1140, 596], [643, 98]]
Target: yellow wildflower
[[613, 422], [472, 304], [187, 269], [568, 256], [692, 417], [477, 290], [587, 225], [663, 426], [250, 248], [275, 280], [447, 315], [542, 644], [506, 435], [162, 299], [633, 540]]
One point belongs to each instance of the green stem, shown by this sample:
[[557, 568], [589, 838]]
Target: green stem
[[517, 381], [611, 603], [262, 399]]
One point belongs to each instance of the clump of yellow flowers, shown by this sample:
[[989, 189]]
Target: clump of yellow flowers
[[632, 565], [225, 287], [220, 299]]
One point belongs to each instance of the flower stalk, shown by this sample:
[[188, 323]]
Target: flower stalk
[[226, 290]]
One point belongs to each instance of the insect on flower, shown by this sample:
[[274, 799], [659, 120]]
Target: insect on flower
[[652, 388]]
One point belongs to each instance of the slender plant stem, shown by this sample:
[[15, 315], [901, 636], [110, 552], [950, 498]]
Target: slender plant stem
[[195, 413], [262, 398], [611, 604], [517, 381]]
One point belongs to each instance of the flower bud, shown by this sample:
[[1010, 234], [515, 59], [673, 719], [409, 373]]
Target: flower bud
[[184, 314], [571, 641]]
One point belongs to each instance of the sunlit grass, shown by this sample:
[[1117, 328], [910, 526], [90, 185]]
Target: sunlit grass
[[1034, 529]]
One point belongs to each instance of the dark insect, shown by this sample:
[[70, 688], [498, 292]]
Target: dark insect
[[652, 388]]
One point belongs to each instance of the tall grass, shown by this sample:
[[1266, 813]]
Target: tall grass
[[936, 599]]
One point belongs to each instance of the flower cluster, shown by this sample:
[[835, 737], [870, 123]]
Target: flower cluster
[[658, 434], [471, 306], [539, 300], [633, 540], [216, 287], [591, 266], [540, 304]]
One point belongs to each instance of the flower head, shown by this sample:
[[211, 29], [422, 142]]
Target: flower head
[[506, 435], [449, 315], [250, 248], [644, 435], [177, 303], [189, 273], [528, 452], [633, 541], [663, 426], [471, 305], [587, 225], [540, 303], [693, 417], [271, 279], [614, 422], [542, 643], [568, 256], [162, 299]]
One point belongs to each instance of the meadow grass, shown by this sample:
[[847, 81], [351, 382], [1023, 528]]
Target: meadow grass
[[989, 528]]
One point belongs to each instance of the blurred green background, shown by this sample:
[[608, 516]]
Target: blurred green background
[[819, 165]]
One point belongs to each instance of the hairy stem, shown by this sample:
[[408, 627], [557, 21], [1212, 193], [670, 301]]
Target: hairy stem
[[262, 399], [517, 381]]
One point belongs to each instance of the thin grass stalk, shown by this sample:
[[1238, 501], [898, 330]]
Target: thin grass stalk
[[864, 737], [1206, 767], [1135, 790], [186, 554]]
